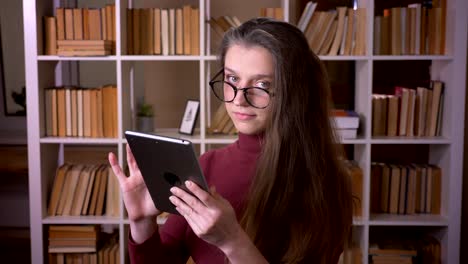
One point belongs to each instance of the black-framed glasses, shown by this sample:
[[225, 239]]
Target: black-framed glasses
[[227, 92]]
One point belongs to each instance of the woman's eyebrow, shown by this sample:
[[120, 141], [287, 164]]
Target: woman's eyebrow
[[255, 76]]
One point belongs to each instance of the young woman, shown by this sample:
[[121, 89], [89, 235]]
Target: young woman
[[280, 194]]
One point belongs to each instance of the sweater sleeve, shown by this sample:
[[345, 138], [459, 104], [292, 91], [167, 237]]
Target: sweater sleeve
[[169, 243]]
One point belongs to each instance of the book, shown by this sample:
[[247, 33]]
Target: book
[[92, 175], [339, 31], [393, 115], [50, 29], [77, 23], [99, 210], [404, 94], [377, 35], [172, 31], [136, 13], [385, 189], [95, 191], [344, 119], [306, 15], [165, 31], [73, 177], [180, 40], [346, 133], [81, 189], [157, 31], [129, 27], [61, 116], [360, 37], [437, 91], [69, 26], [436, 190], [57, 189], [60, 18], [403, 190], [411, 190], [186, 29], [350, 33], [195, 32], [394, 196]]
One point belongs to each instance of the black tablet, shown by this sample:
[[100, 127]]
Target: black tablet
[[165, 162]]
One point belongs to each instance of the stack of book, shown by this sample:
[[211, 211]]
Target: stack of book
[[384, 256], [82, 244], [345, 123], [405, 248], [74, 238], [84, 47], [77, 25]]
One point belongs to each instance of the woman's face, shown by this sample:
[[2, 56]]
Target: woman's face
[[247, 67]]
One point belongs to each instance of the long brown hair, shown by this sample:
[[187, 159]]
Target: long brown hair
[[299, 207]]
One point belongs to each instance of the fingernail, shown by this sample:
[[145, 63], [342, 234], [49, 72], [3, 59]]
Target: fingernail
[[188, 183], [171, 198], [173, 190]]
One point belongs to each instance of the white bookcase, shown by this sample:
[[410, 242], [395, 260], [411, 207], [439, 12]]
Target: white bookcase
[[168, 81]]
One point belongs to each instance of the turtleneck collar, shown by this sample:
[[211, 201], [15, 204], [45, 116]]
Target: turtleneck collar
[[250, 143]]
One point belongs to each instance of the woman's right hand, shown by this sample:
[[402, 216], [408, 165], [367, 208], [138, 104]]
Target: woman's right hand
[[140, 207]]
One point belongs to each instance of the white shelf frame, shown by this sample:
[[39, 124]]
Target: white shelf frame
[[446, 150]]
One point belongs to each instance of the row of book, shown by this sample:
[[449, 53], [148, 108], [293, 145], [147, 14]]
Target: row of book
[[335, 32], [413, 30], [409, 112], [419, 249], [166, 31], [80, 24], [405, 189], [81, 112], [82, 244], [80, 189]]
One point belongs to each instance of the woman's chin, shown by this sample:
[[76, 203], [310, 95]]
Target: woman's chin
[[248, 129]]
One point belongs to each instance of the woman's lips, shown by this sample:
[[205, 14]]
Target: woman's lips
[[243, 116]]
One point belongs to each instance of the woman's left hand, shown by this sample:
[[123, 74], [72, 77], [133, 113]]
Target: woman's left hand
[[210, 216]]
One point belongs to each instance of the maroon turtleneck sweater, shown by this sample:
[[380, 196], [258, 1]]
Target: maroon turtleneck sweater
[[230, 170]]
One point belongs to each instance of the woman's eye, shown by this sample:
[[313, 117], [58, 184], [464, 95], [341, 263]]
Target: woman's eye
[[264, 85], [232, 79]]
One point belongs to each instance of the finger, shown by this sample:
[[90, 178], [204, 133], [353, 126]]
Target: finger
[[194, 225], [188, 199], [182, 207], [116, 168], [132, 165], [201, 194]]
